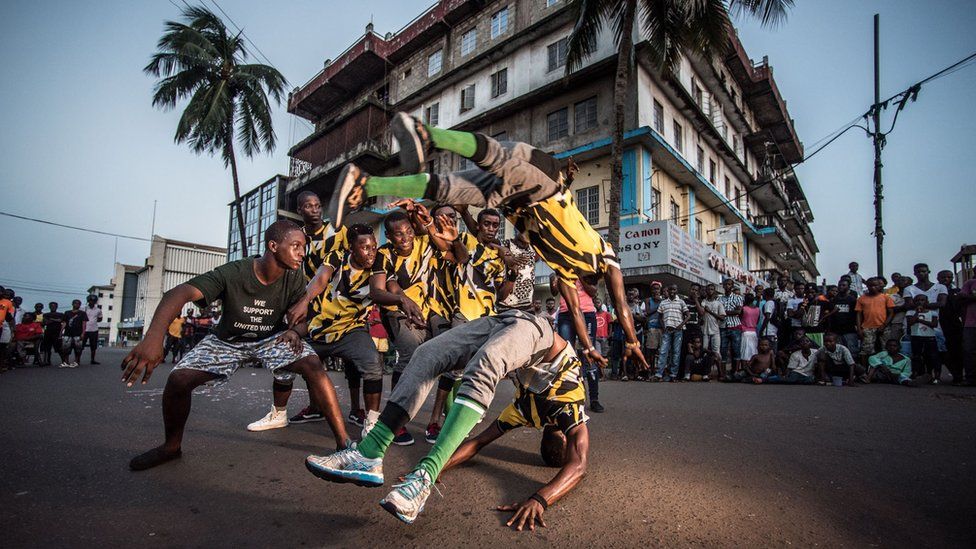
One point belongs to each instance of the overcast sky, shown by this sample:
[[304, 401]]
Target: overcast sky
[[82, 145]]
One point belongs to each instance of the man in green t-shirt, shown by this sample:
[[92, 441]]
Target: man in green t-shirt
[[256, 293]]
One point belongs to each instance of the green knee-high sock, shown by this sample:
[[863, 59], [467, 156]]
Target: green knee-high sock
[[451, 396], [464, 415], [462, 143], [404, 186], [377, 441]]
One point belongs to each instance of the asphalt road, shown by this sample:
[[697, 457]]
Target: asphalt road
[[670, 464]]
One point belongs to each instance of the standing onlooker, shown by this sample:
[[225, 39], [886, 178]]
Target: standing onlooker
[[9, 324], [18, 310], [922, 323], [937, 294], [895, 287], [731, 331], [692, 327], [713, 320], [967, 302], [858, 283], [674, 313], [74, 332], [874, 312], [550, 312], [843, 317], [750, 325], [652, 335], [603, 321], [950, 321], [93, 315], [782, 296], [174, 339], [567, 331], [769, 320], [896, 328], [53, 327]]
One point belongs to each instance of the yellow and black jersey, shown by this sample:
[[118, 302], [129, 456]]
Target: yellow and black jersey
[[414, 272], [344, 304], [319, 244], [475, 282], [563, 239], [441, 287], [561, 405]]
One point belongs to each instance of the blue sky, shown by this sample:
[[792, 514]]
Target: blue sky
[[82, 144]]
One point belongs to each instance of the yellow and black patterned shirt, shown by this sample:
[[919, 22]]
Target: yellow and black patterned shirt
[[562, 237], [561, 405], [319, 244], [414, 273], [474, 283], [344, 304]]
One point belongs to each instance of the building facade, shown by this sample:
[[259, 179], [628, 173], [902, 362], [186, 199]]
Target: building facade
[[707, 147], [261, 206]]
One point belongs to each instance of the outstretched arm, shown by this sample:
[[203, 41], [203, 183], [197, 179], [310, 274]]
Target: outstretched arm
[[531, 510], [299, 310], [149, 352], [472, 446]]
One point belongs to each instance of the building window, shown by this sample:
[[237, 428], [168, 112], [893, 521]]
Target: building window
[[500, 136], [110, 307], [675, 211], [585, 115], [728, 187], [110, 320], [499, 22], [100, 294], [658, 117], [711, 171], [736, 145], [558, 123], [701, 160], [432, 114], [588, 200], [467, 98], [464, 163], [434, 63], [499, 83], [99, 307], [468, 42], [406, 74], [699, 230], [697, 93], [679, 137], [655, 204], [557, 54]]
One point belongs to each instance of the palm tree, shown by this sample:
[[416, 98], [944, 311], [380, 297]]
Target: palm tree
[[199, 60], [672, 26]]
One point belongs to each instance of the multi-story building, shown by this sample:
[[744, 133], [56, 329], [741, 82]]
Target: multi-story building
[[130, 300], [261, 206], [706, 147]]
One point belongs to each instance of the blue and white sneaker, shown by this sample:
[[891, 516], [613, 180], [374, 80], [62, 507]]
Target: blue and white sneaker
[[407, 499], [347, 466]]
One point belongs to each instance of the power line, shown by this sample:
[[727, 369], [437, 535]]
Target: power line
[[45, 222], [241, 30]]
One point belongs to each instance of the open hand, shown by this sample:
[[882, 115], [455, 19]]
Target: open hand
[[143, 359], [527, 513], [444, 228], [293, 340]]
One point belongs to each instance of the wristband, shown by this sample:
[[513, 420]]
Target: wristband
[[541, 500], [634, 345], [429, 223]]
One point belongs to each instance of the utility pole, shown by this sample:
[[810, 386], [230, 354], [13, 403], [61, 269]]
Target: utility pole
[[876, 134]]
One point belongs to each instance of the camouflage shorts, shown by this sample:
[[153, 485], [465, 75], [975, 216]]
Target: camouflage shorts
[[222, 358]]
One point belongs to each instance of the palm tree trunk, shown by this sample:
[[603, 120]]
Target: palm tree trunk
[[237, 191], [620, 85]]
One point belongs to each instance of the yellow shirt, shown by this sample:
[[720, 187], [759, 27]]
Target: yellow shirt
[[176, 327], [414, 273], [475, 282], [318, 246], [344, 304]]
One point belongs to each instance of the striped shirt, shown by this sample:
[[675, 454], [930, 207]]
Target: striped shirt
[[731, 302], [672, 312]]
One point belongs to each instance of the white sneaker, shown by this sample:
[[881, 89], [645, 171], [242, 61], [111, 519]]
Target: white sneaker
[[372, 416], [347, 466], [274, 420], [408, 498]]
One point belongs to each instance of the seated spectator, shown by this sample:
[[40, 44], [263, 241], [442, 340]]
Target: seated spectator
[[801, 365], [27, 338], [835, 362], [890, 366], [798, 335], [759, 366], [922, 323], [699, 361], [750, 322]]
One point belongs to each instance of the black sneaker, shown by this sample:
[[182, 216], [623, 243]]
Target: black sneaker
[[597, 407], [430, 435], [357, 417], [415, 143], [403, 438], [307, 415], [343, 198]]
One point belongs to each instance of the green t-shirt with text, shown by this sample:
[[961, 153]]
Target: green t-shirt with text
[[251, 310]]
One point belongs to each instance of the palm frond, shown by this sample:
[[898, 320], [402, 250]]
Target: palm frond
[[590, 16], [708, 27], [771, 13], [269, 77]]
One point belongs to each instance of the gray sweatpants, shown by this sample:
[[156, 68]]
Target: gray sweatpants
[[508, 173], [493, 346]]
